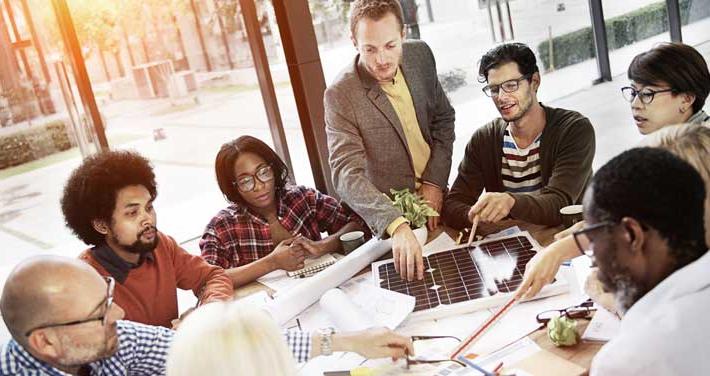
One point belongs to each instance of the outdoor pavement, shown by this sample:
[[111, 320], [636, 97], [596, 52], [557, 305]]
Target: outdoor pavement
[[31, 222]]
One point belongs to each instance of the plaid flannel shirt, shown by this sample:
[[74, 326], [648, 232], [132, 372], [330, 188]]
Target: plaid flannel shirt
[[237, 236], [142, 350]]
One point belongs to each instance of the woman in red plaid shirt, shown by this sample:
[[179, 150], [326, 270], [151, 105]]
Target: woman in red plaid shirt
[[269, 224]]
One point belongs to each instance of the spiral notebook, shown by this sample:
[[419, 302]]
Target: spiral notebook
[[313, 266]]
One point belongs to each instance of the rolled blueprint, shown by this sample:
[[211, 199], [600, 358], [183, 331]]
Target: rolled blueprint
[[293, 301]]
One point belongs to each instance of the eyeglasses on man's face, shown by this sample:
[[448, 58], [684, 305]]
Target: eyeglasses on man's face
[[107, 303], [247, 183], [509, 86], [645, 95], [584, 310], [583, 238]]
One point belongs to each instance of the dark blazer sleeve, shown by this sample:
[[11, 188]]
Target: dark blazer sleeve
[[468, 184], [571, 171], [441, 128]]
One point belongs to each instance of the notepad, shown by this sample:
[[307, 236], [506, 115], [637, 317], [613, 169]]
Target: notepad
[[313, 266]]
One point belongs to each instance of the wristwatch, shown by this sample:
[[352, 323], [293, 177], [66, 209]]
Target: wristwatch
[[326, 340]]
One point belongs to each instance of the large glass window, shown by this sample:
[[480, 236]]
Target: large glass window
[[173, 80]]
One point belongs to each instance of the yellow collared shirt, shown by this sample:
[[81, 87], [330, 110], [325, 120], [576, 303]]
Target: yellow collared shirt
[[398, 94]]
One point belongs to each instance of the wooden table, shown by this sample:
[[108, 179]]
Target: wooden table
[[580, 354]]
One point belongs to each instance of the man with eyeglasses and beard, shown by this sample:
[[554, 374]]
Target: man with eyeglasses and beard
[[532, 161], [644, 224], [61, 315], [108, 203]]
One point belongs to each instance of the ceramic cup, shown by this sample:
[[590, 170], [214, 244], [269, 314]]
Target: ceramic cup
[[571, 214], [352, 240]]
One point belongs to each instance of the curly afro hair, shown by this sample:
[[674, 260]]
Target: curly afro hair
[[90, 192]]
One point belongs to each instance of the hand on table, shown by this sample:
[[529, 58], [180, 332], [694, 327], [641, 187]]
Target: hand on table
[[313, 248], [434, 196], [407, 253], [492, 207], [288, 255], [374, 343]]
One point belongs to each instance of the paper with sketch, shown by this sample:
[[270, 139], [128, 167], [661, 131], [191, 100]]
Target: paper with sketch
[[603, 327], [443, 241], [359, 305], [293, 301]]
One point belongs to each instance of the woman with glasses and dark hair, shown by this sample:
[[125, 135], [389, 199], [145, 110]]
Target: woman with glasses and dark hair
[[669, 85], [269, 224]]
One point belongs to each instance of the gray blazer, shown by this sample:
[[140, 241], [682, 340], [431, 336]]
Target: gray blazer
[[367, 147]]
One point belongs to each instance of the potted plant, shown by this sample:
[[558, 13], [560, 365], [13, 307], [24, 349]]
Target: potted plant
[[415, 209]]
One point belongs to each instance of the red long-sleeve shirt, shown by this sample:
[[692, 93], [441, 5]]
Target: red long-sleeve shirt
[[147, 293]]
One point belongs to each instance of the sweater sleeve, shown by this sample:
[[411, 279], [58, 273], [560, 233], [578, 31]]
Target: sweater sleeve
[[208, 282], [467, 187], [571, 171]]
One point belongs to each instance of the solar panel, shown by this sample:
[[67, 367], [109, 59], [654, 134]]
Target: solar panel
[[458, 276]]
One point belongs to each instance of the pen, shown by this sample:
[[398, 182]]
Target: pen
[[472, 235]]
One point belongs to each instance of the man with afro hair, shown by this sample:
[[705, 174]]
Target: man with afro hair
[[108, 204]]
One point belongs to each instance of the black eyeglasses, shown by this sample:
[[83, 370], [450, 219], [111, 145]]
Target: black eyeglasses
[[247, 183], [413, 361], [581, 237], [645, 96], [584, 310], [110, 285], [509, 86]]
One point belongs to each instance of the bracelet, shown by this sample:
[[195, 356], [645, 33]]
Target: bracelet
[[326, 340]]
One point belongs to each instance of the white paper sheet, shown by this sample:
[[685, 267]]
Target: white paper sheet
[[359, 305], [443, 241], [603, 327], [293, 301]]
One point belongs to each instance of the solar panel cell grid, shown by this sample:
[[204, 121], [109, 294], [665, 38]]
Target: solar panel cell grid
[[464, 274]]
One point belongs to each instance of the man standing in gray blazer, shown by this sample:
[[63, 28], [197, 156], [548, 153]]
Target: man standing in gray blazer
[[389, 126]]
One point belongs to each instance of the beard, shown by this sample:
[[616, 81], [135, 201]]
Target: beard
[[140, 247], [618, 280], [79, 354]]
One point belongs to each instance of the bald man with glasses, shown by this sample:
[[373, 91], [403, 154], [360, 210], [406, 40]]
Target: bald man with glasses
[[62, 318], [61, 315]]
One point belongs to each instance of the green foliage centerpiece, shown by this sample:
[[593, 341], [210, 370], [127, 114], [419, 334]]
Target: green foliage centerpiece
[[414, 208]]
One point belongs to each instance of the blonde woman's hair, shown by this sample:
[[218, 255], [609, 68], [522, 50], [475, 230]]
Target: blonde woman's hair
[[690, 142], [225, 339]]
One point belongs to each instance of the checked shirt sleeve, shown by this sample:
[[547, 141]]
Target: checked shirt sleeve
[[144, 348], [299, 343]]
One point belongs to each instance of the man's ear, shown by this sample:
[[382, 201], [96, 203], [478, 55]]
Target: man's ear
[[535, 81], [100, 226], [44, 344], [634, 234]]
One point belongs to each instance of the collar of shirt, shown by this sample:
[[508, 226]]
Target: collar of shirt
[[114, 264], [684, 281], [397, 81]]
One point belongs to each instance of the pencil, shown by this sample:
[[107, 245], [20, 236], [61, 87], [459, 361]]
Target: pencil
[[482, 329], [472, 235]]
